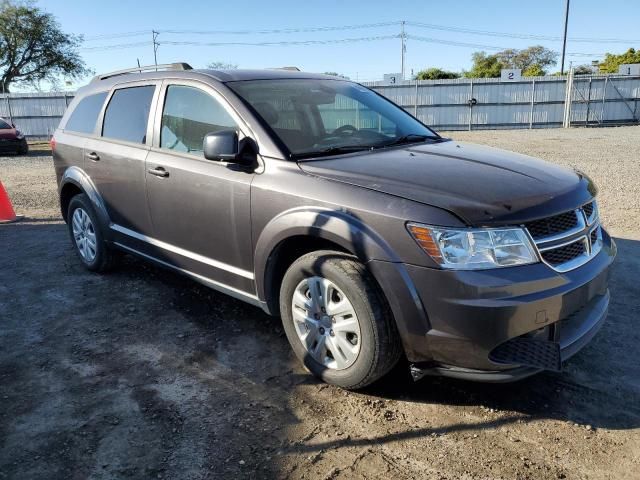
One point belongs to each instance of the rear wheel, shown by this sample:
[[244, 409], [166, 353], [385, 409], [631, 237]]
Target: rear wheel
[[337, 320], [86, 236]]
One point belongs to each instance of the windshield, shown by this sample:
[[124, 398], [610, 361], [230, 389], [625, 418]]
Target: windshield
[[325, 117], [4, 125]]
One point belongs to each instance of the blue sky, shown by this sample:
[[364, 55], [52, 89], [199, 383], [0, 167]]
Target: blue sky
[[617, 19]]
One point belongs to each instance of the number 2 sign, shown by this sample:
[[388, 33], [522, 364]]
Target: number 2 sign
[[510, 74]]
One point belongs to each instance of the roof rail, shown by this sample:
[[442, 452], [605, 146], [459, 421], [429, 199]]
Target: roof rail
[[291, 69], [165, 66]]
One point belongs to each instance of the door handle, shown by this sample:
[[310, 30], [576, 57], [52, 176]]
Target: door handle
[[158, 172], [93, 156]]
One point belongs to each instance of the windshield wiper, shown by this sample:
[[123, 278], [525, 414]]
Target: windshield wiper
[[335, 150], [409, 138]]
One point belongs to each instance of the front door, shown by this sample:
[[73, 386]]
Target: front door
[[200, 209]]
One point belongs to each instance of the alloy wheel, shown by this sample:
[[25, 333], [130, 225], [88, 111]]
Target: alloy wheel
[[84, 235]]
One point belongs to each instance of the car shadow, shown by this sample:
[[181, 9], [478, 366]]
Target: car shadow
[[600, 386], [172, 366]]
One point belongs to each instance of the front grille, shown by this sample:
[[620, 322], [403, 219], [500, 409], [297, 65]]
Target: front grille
[[550, 226], [564, 254], [568, 240], [530, 352], [588, 209]]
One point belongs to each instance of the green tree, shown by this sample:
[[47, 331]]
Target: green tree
[[534, 59], [33, 48], [612, 62], [533, 71], [484, 66], [435, 74], [222, 66], [583, 70]]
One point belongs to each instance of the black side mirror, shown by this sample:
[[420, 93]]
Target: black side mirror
[[225, 146], [221, 145]]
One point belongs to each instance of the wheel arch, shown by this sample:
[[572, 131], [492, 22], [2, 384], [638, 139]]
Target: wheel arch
[[75, 181], [302, 230]]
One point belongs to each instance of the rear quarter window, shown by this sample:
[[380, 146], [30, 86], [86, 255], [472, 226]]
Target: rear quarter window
[[84, 116]]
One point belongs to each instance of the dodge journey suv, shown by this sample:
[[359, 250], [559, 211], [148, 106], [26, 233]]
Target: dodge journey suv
[[318, 200]]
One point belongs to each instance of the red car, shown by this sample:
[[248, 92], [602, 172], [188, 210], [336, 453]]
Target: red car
[[12, 139]]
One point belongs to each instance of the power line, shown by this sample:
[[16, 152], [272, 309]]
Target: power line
[[117, 46], [484, 47], [418, 38], [281, 43], [318, 42], [282, 30], [525, 36], [445, 28], [110, 36]]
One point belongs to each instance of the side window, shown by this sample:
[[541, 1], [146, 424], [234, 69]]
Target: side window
[[83, 118], [127, 114], [188, 115]]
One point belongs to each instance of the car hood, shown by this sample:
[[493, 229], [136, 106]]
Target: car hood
[[8, 133], [481, 185]]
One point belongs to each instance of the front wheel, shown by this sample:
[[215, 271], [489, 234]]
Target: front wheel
[[337, 320]]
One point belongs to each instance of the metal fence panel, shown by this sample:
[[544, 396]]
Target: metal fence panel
[[444, 104], [535, 103], [35, 114]]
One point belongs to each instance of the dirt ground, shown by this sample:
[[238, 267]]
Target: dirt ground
[[144, 374]]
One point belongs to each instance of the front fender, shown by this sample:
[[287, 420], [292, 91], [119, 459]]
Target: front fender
[[345, 229], [79, 178], [337, 226]]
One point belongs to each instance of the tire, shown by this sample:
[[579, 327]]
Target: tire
[[87, 239], [365, 350], [23, 150]]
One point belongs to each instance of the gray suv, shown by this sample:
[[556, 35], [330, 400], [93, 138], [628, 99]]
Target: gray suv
[[316, 199]]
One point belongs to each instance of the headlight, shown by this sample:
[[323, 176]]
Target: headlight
[[19, 135], [474, 249]]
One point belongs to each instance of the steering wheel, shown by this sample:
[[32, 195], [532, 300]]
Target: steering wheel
[[344, 129]]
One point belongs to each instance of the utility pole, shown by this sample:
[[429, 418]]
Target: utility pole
[[404, 49], [564, 38], [155, 47]]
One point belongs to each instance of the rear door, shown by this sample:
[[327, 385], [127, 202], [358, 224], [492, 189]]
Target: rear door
[[115, 161], [200, 208], [80, 125]]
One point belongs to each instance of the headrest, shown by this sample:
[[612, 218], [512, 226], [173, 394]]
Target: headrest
[[268, 112]]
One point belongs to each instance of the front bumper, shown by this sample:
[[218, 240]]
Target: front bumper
[[463, 316], [12, 145]]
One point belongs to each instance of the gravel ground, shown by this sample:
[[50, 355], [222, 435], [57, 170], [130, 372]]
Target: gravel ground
[[144, 374]]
